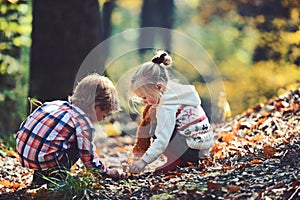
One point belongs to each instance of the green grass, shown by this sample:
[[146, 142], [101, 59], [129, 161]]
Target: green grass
[[77, 186]]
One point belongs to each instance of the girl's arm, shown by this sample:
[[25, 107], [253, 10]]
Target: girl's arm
[[166, 120]]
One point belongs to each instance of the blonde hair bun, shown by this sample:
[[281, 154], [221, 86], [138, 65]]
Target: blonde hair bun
[[162, 58]]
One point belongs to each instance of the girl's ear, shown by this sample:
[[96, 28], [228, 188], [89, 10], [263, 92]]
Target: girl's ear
[[160, 87]]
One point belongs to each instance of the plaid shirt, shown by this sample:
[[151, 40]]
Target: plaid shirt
[[50, 130]]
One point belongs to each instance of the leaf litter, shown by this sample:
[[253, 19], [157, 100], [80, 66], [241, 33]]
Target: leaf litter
[[255, 156]]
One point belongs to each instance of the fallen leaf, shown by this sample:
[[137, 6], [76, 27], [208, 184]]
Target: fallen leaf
[[6, 183], [219, 154], [12, 154], [269, 150], [232, 188], [256, 138], [192, 191], [226, 168], [211, 185], [256, 161], [227, 136]]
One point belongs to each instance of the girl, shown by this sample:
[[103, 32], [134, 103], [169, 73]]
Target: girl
[[58, 133], [183, 132]]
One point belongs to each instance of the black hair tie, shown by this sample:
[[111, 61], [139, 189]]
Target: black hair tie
[[160, 59]]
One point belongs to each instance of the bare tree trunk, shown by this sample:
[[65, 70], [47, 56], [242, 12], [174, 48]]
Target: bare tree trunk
[[63, 34], [107, 11], [156, 13]]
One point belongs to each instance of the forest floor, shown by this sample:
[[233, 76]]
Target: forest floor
[[256, 156]]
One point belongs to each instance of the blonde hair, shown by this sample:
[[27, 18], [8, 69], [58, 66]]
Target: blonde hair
[[93, 90], [151, 73]]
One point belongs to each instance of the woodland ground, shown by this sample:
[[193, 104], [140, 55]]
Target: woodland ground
[[255, 156]]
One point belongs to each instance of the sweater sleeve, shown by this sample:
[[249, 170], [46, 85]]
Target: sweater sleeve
[[87, 151], [166, 120]]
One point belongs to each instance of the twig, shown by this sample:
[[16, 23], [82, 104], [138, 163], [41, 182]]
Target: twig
[[292, 196], [284, 153]]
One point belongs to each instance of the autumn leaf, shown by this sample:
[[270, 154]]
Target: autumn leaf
[[248, 112], [259, 122], [174, 173], [17, 185], [167, 178], [256, 161], [211, 185], [232, 188], [192, 191], [269, 150], [266, 114], [97, 186], [281, 104], [6, 183], [226, 168], [255, 138], [11, 153], [158, 186], [227, 137], [219, 154]]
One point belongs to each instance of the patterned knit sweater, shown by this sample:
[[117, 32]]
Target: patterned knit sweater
[[180, 109]]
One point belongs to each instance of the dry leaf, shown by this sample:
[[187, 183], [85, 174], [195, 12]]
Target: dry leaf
[[12, 154], [6, 183], [256, 161], [211, 185], [227, 137], [269, 150], [232, 188]]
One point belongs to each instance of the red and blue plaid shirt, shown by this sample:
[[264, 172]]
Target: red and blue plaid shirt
[[50, 130]]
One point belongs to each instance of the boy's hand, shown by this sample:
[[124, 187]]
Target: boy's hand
[[113, 173], [138, 166]]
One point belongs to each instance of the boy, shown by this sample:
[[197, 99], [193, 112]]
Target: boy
[[58, 133]]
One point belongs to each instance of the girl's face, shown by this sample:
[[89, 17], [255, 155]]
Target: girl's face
[[150, 96], [149, 99]]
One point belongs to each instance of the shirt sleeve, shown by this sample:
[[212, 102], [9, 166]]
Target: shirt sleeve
[[166, 120], [87, 150]]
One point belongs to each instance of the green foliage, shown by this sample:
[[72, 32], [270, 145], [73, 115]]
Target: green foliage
[[15, 29], [255, 49], [250, 85], [9, 142], [257, 53], [79, 186], [163, 196]]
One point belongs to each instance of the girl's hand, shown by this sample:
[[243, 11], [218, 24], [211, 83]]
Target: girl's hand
[[113, 173], [138, 166]]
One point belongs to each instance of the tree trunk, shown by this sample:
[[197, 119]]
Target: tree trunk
[[156, 13], [107, 11], [63, 34]]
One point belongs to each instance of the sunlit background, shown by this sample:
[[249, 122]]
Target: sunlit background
[[255, 45]]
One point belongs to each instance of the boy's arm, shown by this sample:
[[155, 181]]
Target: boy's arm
[[87, 150], [89, 156]]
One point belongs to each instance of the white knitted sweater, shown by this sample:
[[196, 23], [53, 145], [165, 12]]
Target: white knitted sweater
[[180, 107]]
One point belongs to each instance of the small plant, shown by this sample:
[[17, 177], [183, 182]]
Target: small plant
[[80, 186]]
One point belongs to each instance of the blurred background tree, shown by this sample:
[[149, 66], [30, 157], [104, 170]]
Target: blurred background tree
[[152, 13], [254, 43], [15, 29], [262, 59], [256, 62]]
